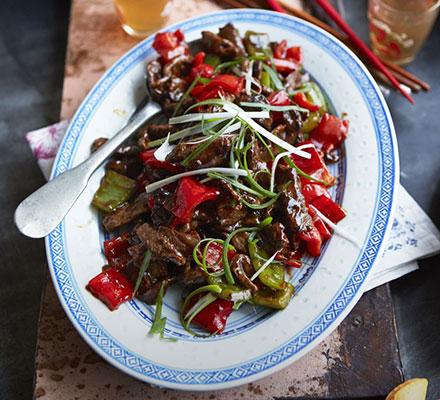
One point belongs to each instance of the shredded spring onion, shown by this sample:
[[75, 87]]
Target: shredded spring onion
[[205, 145], [228, 106], [274, 167], [248, 77], [264, 266], [144, 266], [261, 206], [192, 130], [158, 326], [341, 232], [202, 263], [187, 92], [235, 183], [227, 171], [226, 266], [273, 108], [274, 77], [202, 303], [164, 149], [222, 115]]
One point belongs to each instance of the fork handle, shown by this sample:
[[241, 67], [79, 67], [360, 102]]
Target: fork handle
[[43, 210]]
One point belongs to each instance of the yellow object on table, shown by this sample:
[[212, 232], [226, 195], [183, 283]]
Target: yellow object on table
[[414, 389]]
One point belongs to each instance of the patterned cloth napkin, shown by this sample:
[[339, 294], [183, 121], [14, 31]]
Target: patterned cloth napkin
[[413, 236]]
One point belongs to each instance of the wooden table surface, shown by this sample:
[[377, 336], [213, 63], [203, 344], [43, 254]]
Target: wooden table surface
[[358, 360]]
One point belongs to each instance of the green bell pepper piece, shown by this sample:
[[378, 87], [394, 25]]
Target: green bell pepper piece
[[273, 274], [114, 191], [278, 299], [311, 122], [212, 59], [315, 95], [229, 292], [255, 43], [265, 79]]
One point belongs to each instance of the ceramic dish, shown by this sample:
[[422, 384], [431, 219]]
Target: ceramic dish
[[257, 342]]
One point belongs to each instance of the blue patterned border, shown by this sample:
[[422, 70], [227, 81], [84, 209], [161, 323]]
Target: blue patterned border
[[216, 379]]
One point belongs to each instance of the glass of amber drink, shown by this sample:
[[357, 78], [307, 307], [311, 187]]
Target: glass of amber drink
[[139, 18], [398, 28]]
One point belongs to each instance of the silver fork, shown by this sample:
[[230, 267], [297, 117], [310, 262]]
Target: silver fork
[[43, 210]]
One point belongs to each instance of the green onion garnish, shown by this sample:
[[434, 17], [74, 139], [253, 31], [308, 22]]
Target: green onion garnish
[[235, 183], [206, 144], [144, 266], [187, 92], [197, 307], [158, 326], [202, 263], [192, 130], [261, 206], [273, 76], [273, 108], [226, 266]]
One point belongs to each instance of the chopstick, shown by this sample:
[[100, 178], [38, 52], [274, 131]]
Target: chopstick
[[332, 13], [403, 76], [242, 3], [396, 70]]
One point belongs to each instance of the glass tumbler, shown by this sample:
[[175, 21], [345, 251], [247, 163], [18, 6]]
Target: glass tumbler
[[398, 28], [139, 18]]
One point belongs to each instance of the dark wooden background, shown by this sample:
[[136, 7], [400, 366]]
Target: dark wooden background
[[32, 48]]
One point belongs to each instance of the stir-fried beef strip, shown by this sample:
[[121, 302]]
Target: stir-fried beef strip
[[167, 243], [216, 155], [222, 47], [293, 122], [240, 266], [229, 32], [240, 242], [291, 204], [127, 213], [153, 132], [229, 208], [274, 237]]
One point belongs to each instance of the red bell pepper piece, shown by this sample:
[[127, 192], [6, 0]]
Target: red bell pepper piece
[[329, 208], [198, 89], [314, 166], [148, 158], [278, 98], [295, 54], [213, 317], [214, 254], [211, 93], [190, 193], [313, 241], [198, 58], [229, 83], [280, 50], [320, 225], [170, 45], [330, 133], [204, 70], [111, 287], [116, 251], [291, 257], [285, 66], [301, 99], [311, 190]]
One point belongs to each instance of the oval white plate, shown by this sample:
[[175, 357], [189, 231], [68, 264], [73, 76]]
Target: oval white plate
[[255, 343]]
